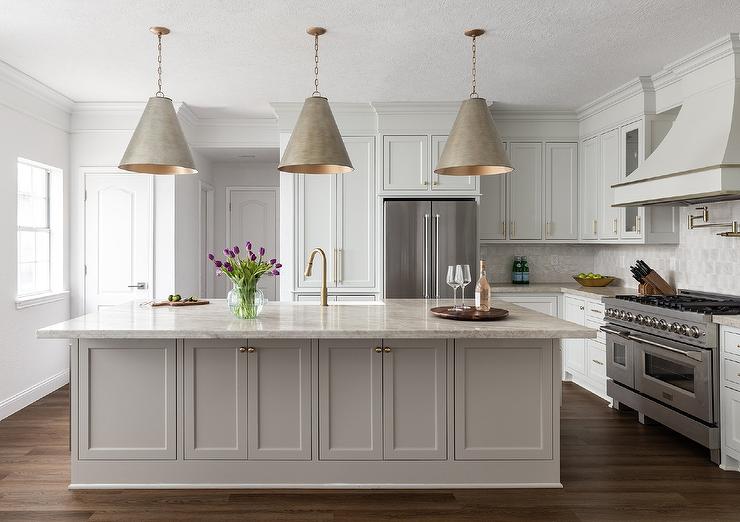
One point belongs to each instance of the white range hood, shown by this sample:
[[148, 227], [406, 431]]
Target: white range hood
[[699, 159]]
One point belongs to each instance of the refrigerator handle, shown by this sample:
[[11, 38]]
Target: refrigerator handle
[[426, 256], [436, 255]]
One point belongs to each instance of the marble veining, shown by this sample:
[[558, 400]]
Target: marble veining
[[732, 321], [397, 318]]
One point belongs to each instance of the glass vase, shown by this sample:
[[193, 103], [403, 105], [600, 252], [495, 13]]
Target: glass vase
[[246, 301]]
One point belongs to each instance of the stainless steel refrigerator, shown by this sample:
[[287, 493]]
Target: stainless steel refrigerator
[[424, 237]]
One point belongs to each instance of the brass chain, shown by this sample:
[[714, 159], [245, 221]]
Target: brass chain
[[316, 66], [473, 93], [159, 92]]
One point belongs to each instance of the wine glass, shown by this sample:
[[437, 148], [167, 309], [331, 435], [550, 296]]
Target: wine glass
[[462, 276], [452, 282]]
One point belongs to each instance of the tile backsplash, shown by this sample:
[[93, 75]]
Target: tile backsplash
[[701, 261], [547, 263]]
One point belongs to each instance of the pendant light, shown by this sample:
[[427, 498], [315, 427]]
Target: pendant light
[[473, 147], [158, 145], [315, 146]]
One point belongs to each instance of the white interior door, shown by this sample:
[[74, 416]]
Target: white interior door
[[118, 239], [253, 217]]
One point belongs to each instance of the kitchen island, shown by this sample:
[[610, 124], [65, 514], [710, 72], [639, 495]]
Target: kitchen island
[[363, 395]]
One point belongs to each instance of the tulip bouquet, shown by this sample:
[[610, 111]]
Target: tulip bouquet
[[245, 299]]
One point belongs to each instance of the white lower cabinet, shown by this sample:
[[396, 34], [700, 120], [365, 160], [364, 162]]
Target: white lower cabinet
[[490, 425], [540, 303], [382, 401], [584, 360], [730, 397], [238, 403], [731, 421], [133, 414]]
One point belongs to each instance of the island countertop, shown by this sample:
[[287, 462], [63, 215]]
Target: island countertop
[[393, 318]]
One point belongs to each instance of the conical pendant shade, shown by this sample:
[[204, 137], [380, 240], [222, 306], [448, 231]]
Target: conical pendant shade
[[158, 145], [473, 147], [316, 147]]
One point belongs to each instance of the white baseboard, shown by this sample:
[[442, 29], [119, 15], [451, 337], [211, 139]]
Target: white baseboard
[[494, 485], [30, 395]]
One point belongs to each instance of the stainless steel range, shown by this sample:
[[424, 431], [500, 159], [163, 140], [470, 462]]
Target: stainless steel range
[[663, 360]]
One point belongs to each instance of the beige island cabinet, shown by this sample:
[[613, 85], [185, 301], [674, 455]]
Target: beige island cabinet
[[381, 395]]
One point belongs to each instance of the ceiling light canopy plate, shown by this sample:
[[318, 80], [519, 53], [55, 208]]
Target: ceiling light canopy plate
[[315, 146], [475, 32], [474, 147], [158, 144], [316, 31], [158, 29]]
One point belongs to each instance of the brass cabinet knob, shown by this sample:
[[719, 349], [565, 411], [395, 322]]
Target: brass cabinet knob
[[242, 349], [386, 349], [250, 349], [378, 349]]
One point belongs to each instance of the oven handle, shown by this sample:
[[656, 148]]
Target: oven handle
[[622, 334], [691, 355]]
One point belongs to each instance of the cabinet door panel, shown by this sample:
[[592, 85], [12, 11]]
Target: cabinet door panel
[[355, 254], [492, 210], [279, 401], [575, 349], [525, 191], [632, 153], [452, 183], [609, 175], [350, 395], [561, 191], [406, 162], [589, 188], [503, 399], [414, 400], [215, 403], [731, 418], [315, 225], [545, 305], [127, 399]]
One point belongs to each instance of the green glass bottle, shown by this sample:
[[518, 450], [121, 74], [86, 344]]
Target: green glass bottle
[[525, 271], [516, 271]]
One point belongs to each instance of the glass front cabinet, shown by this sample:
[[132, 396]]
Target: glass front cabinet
[[632, 152]]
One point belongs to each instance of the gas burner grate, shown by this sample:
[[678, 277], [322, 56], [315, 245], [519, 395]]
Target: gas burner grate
[[688, 303]]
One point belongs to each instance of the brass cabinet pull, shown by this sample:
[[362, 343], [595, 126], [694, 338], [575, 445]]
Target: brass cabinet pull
[[595, 227], [616, 228], [637, 224], [425, 183], [242, 349], [503, 229], [250, 349], [598, 362], [547, 228], [435, 183], [335, 266], [512, 227], [378, 349], [594, 310], [340, 268], [387, 349]]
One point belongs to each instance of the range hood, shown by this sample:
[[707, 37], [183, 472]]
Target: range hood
[[699, 159]]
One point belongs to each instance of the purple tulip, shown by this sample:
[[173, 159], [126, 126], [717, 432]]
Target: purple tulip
[[211, 257], [273, 261], [226, 251], [227, 265], [279, 265], [236, 250], [230, 268], [262, 251], [249, 245], [218, 263], [276, 272], [253, 257]]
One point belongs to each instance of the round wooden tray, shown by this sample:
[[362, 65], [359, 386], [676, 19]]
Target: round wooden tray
[[469, 314]]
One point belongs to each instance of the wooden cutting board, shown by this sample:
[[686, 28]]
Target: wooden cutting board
[[181, 303]]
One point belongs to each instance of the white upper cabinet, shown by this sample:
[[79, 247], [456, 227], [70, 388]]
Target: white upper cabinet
[[492, 209], [589, 188], [406, 163], [609, 174], [561, 191], [337, 214], [451, 183], [632, 152], [525, 191]]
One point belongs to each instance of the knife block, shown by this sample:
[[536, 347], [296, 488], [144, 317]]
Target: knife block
[[647, 289]]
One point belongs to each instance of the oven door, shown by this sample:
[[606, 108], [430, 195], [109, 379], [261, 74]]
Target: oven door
[[620, 366], [675, 374]]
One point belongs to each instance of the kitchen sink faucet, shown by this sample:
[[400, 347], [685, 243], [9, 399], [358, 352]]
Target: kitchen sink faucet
[[309, 268]]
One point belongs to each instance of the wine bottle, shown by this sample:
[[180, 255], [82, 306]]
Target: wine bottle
[[482, 290]]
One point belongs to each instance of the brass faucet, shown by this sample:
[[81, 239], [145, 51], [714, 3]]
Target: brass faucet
[[309, 268]]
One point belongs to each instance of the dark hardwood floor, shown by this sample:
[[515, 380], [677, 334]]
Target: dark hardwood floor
[[612, 469]]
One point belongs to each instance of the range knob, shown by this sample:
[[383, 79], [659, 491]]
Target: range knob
[[683, 329], [609, 312], [639, 319], [654, 322], [629, 317], [622, 314], [674, 327], [662, 324], [694, 332]]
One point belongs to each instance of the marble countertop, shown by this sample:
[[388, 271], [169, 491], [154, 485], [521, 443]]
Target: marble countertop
[[727, 320], [396, 318], [565, 288]]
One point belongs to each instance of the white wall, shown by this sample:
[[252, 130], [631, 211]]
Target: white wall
[[31, 127], [241, 174]]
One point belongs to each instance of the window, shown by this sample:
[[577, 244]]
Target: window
[[39, 229]]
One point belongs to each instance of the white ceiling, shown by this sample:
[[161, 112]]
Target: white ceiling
[[233, 57]]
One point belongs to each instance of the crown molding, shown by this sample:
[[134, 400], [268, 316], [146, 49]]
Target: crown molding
[[636, 87], [30, 85]]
